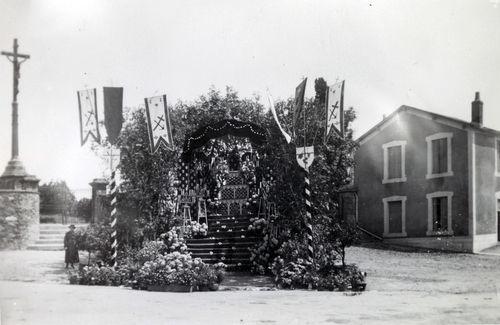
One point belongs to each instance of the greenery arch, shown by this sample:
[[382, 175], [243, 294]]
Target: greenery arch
[[255, 133]]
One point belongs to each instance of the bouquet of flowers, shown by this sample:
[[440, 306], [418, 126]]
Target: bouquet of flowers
[[196, 229]]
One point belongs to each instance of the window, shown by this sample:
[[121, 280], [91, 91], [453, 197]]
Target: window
[[439, 213], [497, 157], [394, 162], [439, 155], [395, 216]]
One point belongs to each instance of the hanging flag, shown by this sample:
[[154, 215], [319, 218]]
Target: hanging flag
[[113, 112], [288, 138], [158, 118], [335, 109], [89, 124], [299, 100]]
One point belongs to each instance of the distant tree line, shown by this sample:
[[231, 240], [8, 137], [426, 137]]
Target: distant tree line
[[57, 198]]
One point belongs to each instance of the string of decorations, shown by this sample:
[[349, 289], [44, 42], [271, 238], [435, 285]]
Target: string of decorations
[[200, 137]]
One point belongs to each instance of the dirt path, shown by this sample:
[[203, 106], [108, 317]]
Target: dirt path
[[403, 287]]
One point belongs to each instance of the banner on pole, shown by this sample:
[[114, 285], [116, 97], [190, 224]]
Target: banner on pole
[[288, 138], [305, 156], [335, 109], [158, 118], [300, 91], [113, 112], [89, 123]]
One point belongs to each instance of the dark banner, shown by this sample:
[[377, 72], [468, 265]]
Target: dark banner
[[113, 112]]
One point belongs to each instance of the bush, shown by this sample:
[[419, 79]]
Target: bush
[[95, 238], [174, 241], [292, 270], [100, 275], [178, 268]]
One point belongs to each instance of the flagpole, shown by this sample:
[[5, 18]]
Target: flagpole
[[307, 195]]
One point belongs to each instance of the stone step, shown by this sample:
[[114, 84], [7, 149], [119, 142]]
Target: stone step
[[58, 226], [223, 226], [46, 247], [236, 261], [223, 257], [225, 217], [50, 241], [222, 250], [227, 234], [53, 236], [223, 240], [52, 232], [219, 223], [238, 245]]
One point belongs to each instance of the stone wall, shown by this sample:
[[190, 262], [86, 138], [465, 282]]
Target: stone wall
[[19, 218]]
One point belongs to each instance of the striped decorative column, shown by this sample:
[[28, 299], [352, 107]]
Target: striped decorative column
[[308, 220], [112, 194]]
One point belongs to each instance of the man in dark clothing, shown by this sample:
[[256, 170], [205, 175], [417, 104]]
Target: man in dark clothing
[[70, 247]]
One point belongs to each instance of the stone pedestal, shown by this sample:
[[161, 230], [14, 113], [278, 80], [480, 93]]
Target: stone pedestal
[[19, 207], [98, 197]]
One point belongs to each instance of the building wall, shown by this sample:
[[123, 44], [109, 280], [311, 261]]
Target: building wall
[[369, 175], [486, 184]]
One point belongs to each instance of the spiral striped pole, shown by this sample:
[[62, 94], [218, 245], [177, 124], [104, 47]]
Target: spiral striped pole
[[309, 229], [305, 158], [112, 194]]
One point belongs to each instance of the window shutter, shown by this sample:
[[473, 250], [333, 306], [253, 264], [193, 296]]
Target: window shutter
[[439, 156], [444, 213], [395, 217], [394, 164]]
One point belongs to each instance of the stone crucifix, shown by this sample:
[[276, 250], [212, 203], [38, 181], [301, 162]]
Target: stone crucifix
[[16, 58]]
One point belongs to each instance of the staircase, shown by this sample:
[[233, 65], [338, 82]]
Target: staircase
[[51, 237], [228, 239]]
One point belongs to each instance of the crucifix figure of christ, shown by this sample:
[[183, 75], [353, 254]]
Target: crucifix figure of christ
[[16, 58]]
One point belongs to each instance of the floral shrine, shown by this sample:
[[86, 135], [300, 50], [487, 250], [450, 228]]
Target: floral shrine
[[222, 187]]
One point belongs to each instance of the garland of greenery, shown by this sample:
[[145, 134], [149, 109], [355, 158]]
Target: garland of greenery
[[200, 137]]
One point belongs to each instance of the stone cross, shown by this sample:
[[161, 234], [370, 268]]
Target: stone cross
[[15, 57]]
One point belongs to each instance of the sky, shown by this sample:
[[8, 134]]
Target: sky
[[431, 55]]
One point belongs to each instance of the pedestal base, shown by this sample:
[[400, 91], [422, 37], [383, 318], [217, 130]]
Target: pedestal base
[[19, 207], [14, 168]]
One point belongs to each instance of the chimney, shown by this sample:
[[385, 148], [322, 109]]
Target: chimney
[[477, 111]]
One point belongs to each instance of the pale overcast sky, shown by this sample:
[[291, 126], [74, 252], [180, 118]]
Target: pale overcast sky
[[429, 54]]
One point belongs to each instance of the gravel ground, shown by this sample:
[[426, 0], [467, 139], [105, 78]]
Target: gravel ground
[[404, 287]]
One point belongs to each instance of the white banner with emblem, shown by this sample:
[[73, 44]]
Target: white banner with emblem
[[335, 109], [159, 127]]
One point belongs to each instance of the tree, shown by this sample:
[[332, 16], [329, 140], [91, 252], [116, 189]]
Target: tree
[[82, 209], [56, 197]]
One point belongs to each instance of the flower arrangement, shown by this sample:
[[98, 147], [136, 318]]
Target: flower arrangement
[[178, 268], [196, 230], [258, 224], [174, 241], [99, 275]]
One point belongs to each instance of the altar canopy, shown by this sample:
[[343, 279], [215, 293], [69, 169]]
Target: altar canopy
[[255, 133]]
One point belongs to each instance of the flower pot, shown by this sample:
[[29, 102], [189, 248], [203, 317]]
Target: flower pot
[[170, 288], [203, 288], [179, 288]]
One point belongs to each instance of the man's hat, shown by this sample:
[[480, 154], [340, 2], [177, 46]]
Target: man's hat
[[72, 226]]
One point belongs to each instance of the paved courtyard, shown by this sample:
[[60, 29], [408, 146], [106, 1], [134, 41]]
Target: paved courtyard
[[403, 287]]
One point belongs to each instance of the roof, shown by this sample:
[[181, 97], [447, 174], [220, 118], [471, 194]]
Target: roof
[[458, 123]]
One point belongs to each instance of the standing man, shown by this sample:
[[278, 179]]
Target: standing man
[[70, 247]]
